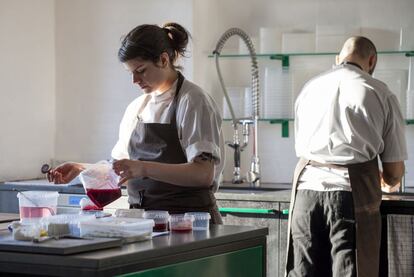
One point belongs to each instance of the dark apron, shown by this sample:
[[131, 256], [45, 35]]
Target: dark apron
[[159, 142], [366, 194]]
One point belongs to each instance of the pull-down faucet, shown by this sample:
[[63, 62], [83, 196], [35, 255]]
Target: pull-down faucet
[[253, 175]]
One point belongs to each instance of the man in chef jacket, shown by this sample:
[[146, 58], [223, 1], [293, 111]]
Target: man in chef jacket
[[347, 123]]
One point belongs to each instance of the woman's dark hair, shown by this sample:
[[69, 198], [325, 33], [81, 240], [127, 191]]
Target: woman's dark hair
[[148, 42]]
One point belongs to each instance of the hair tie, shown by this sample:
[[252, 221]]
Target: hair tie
[[168, 32]]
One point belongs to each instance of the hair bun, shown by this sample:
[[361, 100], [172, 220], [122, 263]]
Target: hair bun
[[178, 35]]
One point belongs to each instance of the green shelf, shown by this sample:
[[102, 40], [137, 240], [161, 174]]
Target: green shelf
[[285, 123], [284, 57], [247, 210]]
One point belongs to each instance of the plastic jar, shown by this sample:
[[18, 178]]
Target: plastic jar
[[181, 223], [201, 220], [160, 218], [33, 205]]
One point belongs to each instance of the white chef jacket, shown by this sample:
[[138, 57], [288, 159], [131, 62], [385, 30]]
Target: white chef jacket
[[198, 123], [345, 116]]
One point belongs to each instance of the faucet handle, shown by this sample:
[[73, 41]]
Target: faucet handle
[[252, 177]]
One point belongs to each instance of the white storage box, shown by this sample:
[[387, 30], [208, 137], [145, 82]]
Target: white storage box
[[299, 42], [118, 227]]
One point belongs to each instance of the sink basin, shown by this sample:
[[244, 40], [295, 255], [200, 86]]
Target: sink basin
[[247, 187]]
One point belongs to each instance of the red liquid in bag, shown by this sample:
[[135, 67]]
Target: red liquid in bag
[[102, 197]]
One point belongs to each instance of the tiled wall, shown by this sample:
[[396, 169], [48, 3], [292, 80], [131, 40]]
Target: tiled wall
[[371, 17]]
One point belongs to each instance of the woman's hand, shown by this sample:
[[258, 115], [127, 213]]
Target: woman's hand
[[65, 172], [128, 169]]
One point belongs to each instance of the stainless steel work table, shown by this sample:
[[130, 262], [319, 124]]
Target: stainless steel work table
[[221, 251]]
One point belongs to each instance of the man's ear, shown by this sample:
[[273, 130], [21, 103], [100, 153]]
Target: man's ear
[[337, 59], [372, 62]]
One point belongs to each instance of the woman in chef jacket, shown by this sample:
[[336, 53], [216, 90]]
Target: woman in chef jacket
[[170, 147]]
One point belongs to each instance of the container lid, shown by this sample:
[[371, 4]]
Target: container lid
[[199, 215], [155, 214], [181, 217], [121, 223], [37, 194], [67, 218], [117, 227]]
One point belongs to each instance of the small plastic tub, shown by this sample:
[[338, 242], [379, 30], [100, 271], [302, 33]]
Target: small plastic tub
[[160, 218], [201, 220], [181, 223]]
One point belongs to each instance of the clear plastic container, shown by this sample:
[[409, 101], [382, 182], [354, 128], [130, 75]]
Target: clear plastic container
[[33, 205], [201, 220], [133, 213], [120, 227], [64, 224], [160, 218], [181, 223]]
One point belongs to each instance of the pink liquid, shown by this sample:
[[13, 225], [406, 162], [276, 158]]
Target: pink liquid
[[182, 229], [102, 197], [29, 212]]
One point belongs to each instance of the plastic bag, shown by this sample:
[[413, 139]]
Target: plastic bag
[[101, 183]]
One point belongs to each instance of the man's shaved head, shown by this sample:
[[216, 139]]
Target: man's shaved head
[[359, 50], [360, 46]]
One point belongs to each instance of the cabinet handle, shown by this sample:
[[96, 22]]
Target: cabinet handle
[[248, 211]]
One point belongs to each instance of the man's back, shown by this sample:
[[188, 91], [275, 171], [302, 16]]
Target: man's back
[[345, 116]]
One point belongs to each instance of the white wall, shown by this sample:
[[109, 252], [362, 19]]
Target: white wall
[[92, 87], [27, 79]]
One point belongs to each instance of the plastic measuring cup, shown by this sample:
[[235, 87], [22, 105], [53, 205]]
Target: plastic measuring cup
[[33, 205]]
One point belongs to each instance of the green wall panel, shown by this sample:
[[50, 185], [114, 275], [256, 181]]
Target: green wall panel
[[243, 263]]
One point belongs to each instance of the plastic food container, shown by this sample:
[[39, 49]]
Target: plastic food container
[[160, 218], [134, 213], [181, 223], [201, 220], [119, 227], [64, 224], [33, 205]]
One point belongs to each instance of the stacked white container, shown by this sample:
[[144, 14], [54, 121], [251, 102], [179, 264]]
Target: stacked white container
[[298, 42], [270, 40], [396, 80], [241, 101], [330, 38], [277, 96], [410, 91]]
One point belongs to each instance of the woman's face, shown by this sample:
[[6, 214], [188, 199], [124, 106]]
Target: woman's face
[[147, 75]]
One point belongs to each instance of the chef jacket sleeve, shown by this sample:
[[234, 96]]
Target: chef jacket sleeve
[[395, 146], [199, 125]]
